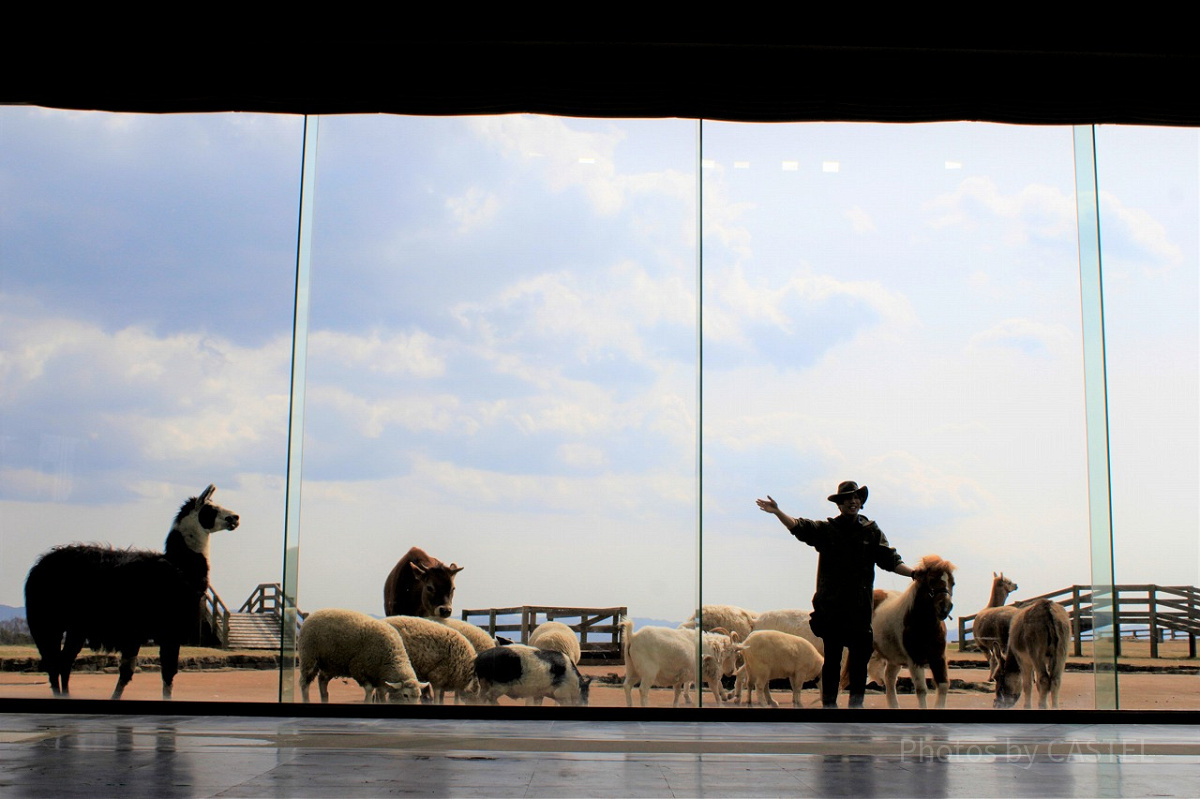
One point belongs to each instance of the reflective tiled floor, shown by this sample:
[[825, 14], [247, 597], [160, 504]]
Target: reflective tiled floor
[[164, 756]]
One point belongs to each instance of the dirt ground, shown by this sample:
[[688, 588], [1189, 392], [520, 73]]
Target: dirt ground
[[1138, 691]]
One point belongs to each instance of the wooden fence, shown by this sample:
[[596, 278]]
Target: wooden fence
[[269, 598], [1157, 611], [599, 629], [214, 621]]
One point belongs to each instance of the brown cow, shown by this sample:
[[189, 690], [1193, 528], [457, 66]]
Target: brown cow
[[420, 585]]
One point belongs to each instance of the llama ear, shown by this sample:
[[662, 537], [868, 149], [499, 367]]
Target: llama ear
[[207, 493]]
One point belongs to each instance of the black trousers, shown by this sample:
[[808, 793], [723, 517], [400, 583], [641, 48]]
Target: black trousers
[[860, 645]]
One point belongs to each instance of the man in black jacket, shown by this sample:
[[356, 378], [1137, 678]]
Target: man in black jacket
[[850, 547]]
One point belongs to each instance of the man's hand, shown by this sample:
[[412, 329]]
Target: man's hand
[[769, 505]]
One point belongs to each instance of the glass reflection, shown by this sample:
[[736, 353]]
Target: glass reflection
[[146, 324], [898, 306], [1149, 211], [501, 368]]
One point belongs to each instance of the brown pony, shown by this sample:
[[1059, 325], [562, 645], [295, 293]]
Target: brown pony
[[910, 629]]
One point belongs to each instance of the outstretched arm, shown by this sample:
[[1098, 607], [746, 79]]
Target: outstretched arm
[[769, 505], [903, 570]]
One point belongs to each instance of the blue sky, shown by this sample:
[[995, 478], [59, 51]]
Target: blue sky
[[502, 354]]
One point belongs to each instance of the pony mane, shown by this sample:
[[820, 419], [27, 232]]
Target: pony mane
[[935, 563], [928, 563]]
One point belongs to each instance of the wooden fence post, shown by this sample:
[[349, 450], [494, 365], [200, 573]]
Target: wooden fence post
[[1077, 618], [1192, 623], [1116, 620], [1152, 595]]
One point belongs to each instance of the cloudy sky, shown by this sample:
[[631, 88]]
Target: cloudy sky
[[503, 350]]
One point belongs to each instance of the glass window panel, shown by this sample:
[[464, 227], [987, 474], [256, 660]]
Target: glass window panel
[[899, 306], [145, 331], [1150, 228], [501, 365]]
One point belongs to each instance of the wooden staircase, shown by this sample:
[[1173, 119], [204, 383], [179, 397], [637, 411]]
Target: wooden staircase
[[253, 631], [257, 624]]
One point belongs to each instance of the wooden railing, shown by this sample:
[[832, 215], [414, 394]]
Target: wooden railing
[[1152, 610], [214, 611], [593, 623], [270, 598]]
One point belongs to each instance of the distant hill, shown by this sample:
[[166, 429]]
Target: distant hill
[[9, 612]]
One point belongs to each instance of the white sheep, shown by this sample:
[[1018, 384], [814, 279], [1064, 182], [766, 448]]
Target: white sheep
[[477, 636], [730, 617], [793, 621], [770, 655], [345, 643], [440, 655], [667, 657], [554, 636]]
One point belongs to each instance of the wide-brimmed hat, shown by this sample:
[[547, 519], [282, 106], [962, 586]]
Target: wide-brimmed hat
[[847, 489]]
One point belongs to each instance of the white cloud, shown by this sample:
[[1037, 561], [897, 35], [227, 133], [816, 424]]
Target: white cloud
[[408, 411], [399, 353], [1036, 211], [860, 220], [566, 157], [737, 299], [582, 455], [474, 209], [183, 397], [1027, 335], [563, 156], [917, 482], [1133, 229], [596, 317]]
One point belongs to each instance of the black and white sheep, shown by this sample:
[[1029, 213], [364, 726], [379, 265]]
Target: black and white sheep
[[115, 600], [525, 672], [345, 643]]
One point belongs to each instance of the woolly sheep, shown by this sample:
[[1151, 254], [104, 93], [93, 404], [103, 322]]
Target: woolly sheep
[[554, 636], [345, 643], [769, 655], [667, 657], [477, 637], [730, 617], [439, 655], [114, 600], [792, 621]]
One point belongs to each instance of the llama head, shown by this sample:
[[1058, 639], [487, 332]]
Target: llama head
[[200, 517]]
